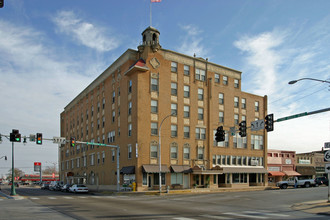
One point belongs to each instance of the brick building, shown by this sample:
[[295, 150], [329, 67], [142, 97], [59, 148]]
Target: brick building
[[311, 164], [126, 105]]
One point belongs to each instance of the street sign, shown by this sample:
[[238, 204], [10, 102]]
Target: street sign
[[37, 166], [327, 168], [58, 140], [327, 145], [257, 125], [232, 131], [327, 156]]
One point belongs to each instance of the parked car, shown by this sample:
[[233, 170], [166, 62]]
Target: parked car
[[78, 188], [299, 183], [322, 180], [44, 186], [55, 185], [66, 187]]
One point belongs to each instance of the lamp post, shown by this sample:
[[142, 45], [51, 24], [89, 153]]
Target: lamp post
[[294, 81], [160, 155]]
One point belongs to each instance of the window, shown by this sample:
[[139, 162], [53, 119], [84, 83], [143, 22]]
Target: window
[[103, 103], [236, 102], [86, 114], [113, 97], [98, 107], [174, 109], [98, 124], [103, 157], [98, 158], [186, 153], [256, 106], [92, 158], [154, 85], [200, 74], [113, 116], [186, 131], [239, 142], [200, 133], [78, 162], [236, 119], [186, 111], [201, 94], [129, 108], [186, 91], [225, 80], [243, 103], [174, 152], [113, 155], [257, 142], [154, 128], [154, 106], [186, 70], [243, 118], [129, 129], [103, 122], [174, 130], [130, 86], [221, 117], [174, 89], [153, 151], [216, 78], [221, 143], [177, 178], [92, 110], [111, 136], [174, 67], [200, 155], [221, 99], [129, 150], [236, 83], [200, 113]]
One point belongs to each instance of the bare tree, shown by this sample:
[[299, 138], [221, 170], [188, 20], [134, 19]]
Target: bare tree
[[17, 173]]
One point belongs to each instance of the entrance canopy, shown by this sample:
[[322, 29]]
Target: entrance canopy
[[276, 173], [291, 173], [181, 169], [128, 170], [153, 168]]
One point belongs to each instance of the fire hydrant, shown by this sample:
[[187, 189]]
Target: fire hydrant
[[134, 186]]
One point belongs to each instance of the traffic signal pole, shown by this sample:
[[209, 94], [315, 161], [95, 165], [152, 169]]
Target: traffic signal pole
[[13, 191]]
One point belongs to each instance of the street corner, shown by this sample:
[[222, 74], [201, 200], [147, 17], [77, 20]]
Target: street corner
[[319, 207]]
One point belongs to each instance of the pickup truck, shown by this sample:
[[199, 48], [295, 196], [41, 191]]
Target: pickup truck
[[291, 182]]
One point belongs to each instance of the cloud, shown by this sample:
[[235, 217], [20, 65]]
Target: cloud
[[85, 33], [192, 41]]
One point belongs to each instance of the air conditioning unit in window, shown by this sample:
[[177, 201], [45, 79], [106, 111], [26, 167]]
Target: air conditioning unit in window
[[254, 162]]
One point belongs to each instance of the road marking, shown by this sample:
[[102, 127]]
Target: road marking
[[267, 213], [183, 218], [34, 198], [67, 197], [51, 198], [245, 216], [215, 217]]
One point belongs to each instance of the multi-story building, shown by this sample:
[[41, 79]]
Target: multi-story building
[[152, 91], [281, 163], [311, 164]]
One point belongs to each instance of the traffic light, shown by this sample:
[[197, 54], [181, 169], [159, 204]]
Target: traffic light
[[39, 138], [15, 136], [2, 3], [220, 134], [73, 142], [269, 122], [242, 128]]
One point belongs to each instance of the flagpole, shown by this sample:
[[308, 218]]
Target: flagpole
[[150, 14]]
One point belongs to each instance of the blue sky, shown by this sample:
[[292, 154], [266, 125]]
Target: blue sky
[[51, 50]]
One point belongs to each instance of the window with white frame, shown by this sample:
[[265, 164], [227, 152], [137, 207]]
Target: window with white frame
[[113, 116], [154, 128], [256, 106], [154, 106], [174, 67], [174, 152], [103, 122], [257, 142], [92, 159], [154, 84], [200, 94], [200, 74], [78, 162], [200, 153], [186, 153], [103, 103], [236, 102], [236, 119], [186, 91], [239, 142], [200, 133], [186, 70], [174, 109], [186, 111], [236, 83], [85, 161], [153, 151], [130, 86], [221, 143], [129, 150], [200, 113], [174, 130], [221, 99], [103, 157], [98, 158], [216, 78], [113, 155], [129, 108], [186, 131], [130, 129], [243, 103], [113, 97], [221, 117], [174, 89], [225, 80], [72, 163]]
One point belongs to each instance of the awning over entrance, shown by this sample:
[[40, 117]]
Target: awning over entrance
[[200, 170], [244, 170], [128, 170], [276, 173], [181, 169], [153, 168], [291, 173]]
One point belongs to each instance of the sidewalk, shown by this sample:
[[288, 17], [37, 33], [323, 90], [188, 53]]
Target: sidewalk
[[321, 207]]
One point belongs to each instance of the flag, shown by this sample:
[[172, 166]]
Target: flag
[[155, 0]]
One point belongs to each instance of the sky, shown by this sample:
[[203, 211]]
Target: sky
[[51, 50]]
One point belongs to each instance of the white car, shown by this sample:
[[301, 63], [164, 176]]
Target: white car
[[78, 188]]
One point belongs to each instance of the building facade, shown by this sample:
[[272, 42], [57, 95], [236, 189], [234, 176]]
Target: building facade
[[311, 164], [281, 164], [152, 91]]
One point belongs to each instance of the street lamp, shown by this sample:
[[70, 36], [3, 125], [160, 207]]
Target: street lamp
[[160, 155], [294, 81]]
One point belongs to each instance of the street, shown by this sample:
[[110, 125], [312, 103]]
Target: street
[[269, 204]]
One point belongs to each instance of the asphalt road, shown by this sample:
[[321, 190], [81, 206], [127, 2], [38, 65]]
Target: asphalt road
[[269, 204]]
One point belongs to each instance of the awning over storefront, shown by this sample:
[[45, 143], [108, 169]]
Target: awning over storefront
[[244, 170], [181, 169], [291, 173], [200, 170], [128, 170], [153, 168], [275, 173]]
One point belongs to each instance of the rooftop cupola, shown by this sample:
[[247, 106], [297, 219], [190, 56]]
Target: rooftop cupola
[[150, 37]]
